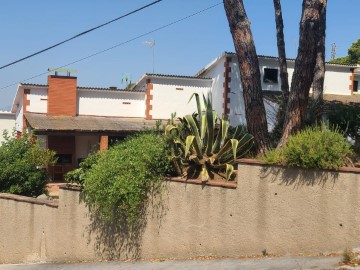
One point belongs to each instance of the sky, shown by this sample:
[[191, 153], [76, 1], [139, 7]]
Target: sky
[[180, 49]]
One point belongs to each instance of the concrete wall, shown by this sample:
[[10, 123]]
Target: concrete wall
[[283, 211]]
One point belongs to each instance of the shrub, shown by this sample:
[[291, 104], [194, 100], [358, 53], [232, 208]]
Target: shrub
[[23, 165], [347, 118], [78, 175], [314, 147], [118, 184], [202, 143]]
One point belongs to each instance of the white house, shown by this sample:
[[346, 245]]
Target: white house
[[7, 122], [73, 120], [340, 80]]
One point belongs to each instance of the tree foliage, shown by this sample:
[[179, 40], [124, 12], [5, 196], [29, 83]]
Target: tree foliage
[[353, 56], [23, 165]]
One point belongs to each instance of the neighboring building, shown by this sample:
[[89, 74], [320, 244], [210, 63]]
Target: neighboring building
[[73, 120], [7, 122], [340, 80]]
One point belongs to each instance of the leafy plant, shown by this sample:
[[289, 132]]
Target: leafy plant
[[118, 184], [347, 118], [78, 175], [314, 147], [201, 142], [23, 165]]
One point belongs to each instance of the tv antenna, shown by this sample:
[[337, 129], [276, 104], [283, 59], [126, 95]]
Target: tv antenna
[[151, 44], [333, 51]]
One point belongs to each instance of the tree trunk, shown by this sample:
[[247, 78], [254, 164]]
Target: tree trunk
[[310, 36], [281, 50], [319, 76], [280, 115], [249, 72]]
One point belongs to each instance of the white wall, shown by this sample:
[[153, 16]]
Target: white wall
[[217, 73], [38, 101], [85, 144], [167, 99], [7, 122], [111, 103], [19, 117], [337, 80]]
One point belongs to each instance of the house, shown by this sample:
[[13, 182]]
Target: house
[[341, 82], [7, 123], [73, 120]]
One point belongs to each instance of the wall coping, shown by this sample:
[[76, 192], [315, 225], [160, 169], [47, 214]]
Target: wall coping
[[32, 200], [213, 183], [251, 161], [72, 187]]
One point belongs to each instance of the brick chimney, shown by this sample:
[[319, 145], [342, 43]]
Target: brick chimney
[[62, 95]]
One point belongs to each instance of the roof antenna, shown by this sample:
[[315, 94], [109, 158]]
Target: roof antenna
[[151, 44], [65, 70]]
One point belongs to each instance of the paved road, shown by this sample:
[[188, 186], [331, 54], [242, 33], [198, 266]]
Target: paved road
[[276, 263]]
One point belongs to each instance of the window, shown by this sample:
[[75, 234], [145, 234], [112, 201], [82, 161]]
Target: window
[[63, 159], [270, 75]]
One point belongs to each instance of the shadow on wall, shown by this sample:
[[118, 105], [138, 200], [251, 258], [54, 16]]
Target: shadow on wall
[[119, 239], [298, 177]]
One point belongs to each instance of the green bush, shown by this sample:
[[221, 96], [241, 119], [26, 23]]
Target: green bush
[[314, 147], [23, 165], [347, 118], [118, 184], [78, 175]]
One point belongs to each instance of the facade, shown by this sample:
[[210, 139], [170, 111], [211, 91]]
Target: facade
[[7, 122], [340, 81], [74, 120]]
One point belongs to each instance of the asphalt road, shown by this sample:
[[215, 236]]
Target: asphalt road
[[275, 263]]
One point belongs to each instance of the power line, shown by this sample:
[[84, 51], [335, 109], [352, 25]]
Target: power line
[[120, 44], [81, 34]]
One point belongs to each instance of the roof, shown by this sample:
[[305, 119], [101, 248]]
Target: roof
[[45, 123], [112, 88], [224, 54], [167, 76]]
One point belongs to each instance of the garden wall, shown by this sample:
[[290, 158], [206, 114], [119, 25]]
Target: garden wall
[[285, 211]]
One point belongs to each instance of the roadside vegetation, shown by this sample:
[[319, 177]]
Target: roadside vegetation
[[23, 165], [118, 183]]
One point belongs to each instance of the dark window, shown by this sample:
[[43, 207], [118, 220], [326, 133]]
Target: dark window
[[356, 86], [270, 75], [63, 159]]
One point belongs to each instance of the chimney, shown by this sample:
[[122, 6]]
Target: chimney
[[62, 94]]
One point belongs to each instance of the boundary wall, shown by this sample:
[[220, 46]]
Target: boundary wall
[[285, 211]]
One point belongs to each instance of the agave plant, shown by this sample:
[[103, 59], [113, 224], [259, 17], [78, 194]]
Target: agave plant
[[202, 141]]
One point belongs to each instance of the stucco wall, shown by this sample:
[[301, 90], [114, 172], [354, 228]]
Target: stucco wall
[[38, 101], [7, 122], [169, 96], [283, 211], [111, 103]]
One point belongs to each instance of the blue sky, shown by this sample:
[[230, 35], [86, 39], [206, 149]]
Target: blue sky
[[183, 48]]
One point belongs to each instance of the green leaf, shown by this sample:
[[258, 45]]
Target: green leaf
[[188, 143], [229, 171], [204, 174]]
